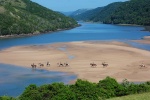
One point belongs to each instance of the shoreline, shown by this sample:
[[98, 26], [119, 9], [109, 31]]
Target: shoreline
[[123, 59], [144, 40], [33, 34]]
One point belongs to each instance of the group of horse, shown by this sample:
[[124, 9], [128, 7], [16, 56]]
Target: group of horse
[[48, 64], [93, 65]]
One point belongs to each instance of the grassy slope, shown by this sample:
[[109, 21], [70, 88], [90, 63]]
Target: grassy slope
[[143, 96]]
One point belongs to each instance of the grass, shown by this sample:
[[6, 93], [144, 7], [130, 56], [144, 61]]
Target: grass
[[143, 96]]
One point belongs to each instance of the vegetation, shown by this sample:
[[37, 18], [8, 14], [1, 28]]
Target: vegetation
[[129, 12], [143, 96], [25, 16], [82, 90]]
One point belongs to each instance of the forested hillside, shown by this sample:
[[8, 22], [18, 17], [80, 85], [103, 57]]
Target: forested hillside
[[129, 12], [25, 16]]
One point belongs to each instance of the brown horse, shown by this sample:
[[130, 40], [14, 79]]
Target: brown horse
[[104, 64], [33, 65], [93, 64], [142, 65], [66, 64], [41, 65]]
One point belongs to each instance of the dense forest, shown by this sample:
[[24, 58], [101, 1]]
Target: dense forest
[[25, 16], [129, 12], [81, 90]]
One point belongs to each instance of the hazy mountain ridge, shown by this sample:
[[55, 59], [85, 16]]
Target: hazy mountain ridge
[[25, 16], [129, 12]]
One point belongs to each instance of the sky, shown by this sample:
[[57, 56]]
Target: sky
[[72, 5]]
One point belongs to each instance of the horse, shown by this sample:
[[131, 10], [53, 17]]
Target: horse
[[48, 64], [66, 64], [104, 64], [60, 64], [41, 65], [33, 65], [142, 65], [93, 65]]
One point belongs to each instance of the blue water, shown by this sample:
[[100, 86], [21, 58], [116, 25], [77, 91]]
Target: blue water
[[88, 31], [14, 79]]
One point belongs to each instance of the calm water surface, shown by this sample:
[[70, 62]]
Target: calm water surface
[[14, 79]]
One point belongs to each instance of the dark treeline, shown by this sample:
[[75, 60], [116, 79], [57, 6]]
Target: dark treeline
[[81, 90], [25, 16], [129, 12]]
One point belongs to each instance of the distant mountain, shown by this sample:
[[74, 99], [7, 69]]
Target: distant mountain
[[129, 12], [86, 14], [25, 16], [78, 12], [67, 13], [98, 14]]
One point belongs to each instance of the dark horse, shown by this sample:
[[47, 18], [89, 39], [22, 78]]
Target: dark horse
[[48, 64], [33, 65], [93, 64], [60, 64], [104, 64], [66, 64]]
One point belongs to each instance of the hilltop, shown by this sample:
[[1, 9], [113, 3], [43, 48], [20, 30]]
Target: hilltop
[[25, 16], [129, 12]]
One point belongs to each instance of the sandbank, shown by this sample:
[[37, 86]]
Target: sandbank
[[123, 60]]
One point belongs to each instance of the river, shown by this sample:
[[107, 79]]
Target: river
[[13, 79]]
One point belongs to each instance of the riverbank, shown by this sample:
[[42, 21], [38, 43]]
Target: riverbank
[[123, 61], [33, 34], [145, 40]]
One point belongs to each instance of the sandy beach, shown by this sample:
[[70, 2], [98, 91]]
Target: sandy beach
[[123, 61]]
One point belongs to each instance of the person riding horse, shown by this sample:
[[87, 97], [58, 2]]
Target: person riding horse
[[104, 64], [33, 65], [48, 64], [93, 64]]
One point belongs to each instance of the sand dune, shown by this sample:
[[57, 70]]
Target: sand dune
[[123, 60]]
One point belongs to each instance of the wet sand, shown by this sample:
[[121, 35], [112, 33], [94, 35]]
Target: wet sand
[[123, 60]]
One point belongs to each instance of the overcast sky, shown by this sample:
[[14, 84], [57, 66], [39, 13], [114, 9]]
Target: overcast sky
[[72, 5]]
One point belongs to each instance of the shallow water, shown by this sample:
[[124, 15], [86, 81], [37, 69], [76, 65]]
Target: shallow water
[[14, 79]]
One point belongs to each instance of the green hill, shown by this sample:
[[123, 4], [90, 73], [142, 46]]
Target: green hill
[[131, 12], [25, 16]]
